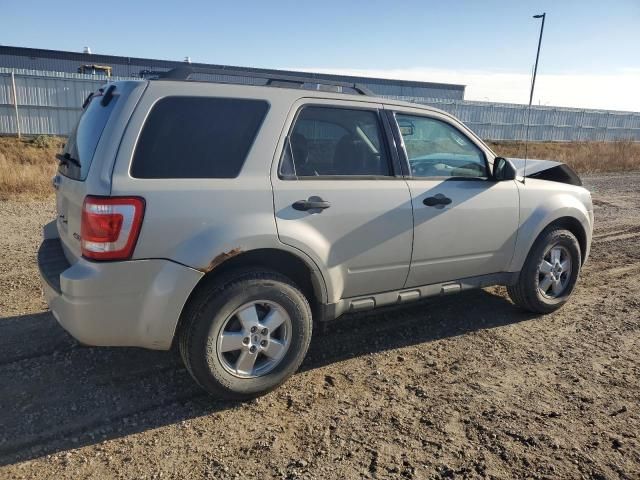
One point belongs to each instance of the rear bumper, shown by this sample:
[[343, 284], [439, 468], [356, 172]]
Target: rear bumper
[[131, 303]]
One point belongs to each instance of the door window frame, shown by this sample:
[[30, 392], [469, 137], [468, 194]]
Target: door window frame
[[387, 139], [404, 157]]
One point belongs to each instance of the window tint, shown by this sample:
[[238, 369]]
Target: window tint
[[197, 137], [437, 149], [335, 141], [82, 143]]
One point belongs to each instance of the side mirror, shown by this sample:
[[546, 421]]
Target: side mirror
[[503, 169], [406, 127]]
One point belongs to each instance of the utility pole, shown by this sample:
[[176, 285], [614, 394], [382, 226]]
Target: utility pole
[[533, 85], [535, 69]]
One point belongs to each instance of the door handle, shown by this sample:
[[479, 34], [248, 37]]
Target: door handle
[[313, 203], [438, 201]]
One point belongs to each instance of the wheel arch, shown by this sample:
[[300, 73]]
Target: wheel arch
[[568, 222], [524, 292], [301, 271], [574, 226]]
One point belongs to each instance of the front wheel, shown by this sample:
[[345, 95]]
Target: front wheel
[[246, 334], [549, 274]]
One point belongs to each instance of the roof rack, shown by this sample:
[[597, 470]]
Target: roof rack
[[273, 80]]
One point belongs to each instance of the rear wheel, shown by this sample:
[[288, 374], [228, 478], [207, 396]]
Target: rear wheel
[[244, 335], [549, 273]]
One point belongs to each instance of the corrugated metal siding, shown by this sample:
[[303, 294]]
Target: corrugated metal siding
[[500, 121], [49, 103], [71, 65], [60, 61]]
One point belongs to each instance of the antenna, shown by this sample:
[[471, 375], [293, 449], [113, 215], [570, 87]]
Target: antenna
[[533, 86]]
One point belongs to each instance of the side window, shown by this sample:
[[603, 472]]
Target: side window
[[327, 141], [197, 137], [437, 149]]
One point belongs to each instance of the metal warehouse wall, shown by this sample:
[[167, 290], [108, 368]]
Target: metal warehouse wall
[[504, 121], [49, 103], [60, 61]]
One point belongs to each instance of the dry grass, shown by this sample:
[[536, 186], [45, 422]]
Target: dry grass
[[27, 165], [584, 157]]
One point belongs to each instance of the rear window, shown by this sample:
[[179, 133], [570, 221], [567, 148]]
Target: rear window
[[84, 139], [197, 137]]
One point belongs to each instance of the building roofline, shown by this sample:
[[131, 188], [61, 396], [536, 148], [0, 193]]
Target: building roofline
[[120, 60]]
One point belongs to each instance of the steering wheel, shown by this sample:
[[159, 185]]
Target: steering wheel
[[426, 168]]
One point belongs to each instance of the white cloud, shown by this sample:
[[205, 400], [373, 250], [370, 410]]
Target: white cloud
[[611, 91]]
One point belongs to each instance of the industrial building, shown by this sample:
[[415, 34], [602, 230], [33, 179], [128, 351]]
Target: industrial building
[[75, 62], [41, 92]]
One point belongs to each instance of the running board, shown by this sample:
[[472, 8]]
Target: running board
[[407, 295]]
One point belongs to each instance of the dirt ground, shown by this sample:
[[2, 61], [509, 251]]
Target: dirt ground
[[455, 387]]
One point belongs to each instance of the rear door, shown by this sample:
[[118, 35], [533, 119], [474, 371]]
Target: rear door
[[340, 198], [465, 222]]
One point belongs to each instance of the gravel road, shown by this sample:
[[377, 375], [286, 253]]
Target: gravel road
[[454, 387]]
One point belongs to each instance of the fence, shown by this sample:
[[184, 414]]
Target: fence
[[49, 103], [504, 121], [45, 102]]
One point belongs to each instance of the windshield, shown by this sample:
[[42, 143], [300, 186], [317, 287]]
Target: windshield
[[83, 141]]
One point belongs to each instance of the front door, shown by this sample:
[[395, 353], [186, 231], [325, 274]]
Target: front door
[[465, 222], [337, 197]]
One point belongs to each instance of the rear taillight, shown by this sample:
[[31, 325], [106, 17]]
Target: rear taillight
[[110, 227]]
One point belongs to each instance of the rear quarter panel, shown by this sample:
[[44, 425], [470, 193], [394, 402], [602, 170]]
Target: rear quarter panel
[[200, 222]]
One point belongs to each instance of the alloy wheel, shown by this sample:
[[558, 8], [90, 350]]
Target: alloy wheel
[[254, 339]]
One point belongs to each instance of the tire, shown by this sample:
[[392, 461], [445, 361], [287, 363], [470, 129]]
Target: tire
[[527, 293], [221, 310]]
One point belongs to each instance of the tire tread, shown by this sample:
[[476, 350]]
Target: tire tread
[[208, 293], [522, 293]]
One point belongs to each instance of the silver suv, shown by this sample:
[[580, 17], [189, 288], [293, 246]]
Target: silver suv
[[227, 219]]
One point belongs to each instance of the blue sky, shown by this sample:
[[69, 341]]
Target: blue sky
[[589, 47]]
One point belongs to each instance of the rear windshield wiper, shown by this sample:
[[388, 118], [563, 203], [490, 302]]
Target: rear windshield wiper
[[66, 159]]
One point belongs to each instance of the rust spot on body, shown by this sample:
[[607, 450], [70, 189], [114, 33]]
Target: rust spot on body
[[221, 258]]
